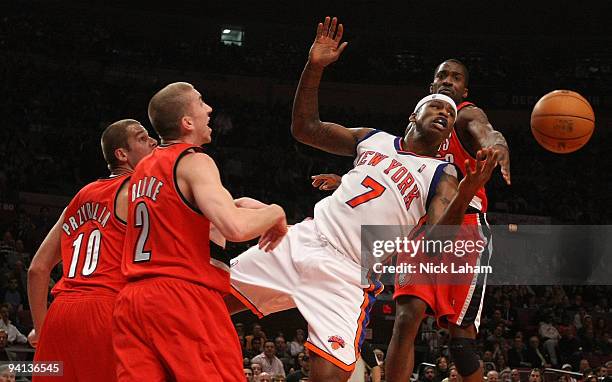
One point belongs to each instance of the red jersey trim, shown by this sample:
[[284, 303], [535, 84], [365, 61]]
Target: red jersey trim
[[175, 180], [459, 107], [126, 180]]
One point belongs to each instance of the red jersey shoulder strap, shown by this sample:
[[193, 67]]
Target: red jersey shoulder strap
[[464, 104]]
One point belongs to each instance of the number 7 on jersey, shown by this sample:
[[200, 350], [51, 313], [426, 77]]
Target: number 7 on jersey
[[375, 190]]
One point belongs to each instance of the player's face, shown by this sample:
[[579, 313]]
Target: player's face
[[450, 80], [140, 144], [435, 118], [200, 114]]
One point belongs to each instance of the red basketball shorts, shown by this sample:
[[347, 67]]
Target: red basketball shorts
[[453, 297], [78, 331], [170, 329]]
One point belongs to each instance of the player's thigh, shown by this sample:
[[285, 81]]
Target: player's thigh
[[336, 304], [265, 282], [136, 358], [192, 331]]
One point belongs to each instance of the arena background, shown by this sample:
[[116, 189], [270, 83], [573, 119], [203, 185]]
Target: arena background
[[67, 69]]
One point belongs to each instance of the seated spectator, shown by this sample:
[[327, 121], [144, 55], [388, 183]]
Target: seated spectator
[[550, 335], [283, 353], [428, 374], [256, 333], [13, 334], [6, 375], [255, 349], [569, 347], [535, 375], [248, 374], [256, 368], [302, 372], [515, 376], [442, 371], [492, 376], [268, 360], [4, 354], [516, 354], [13, 297], [264, 377], [297, 345], [534, 354]]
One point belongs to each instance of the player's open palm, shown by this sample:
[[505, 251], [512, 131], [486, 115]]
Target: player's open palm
[[475, 178], [326, 47]]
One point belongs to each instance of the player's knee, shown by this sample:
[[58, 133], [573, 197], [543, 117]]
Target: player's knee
[[464, 355], [408, 316]]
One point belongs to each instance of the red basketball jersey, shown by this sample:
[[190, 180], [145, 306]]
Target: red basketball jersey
[[452, 151], [92, 240], [166, 235]]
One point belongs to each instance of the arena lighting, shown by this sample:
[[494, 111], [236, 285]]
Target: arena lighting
[[226, 31]]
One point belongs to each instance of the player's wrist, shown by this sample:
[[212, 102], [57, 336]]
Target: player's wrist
[[314, 66]]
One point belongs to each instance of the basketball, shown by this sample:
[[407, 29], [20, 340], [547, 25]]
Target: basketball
[[562, 121]]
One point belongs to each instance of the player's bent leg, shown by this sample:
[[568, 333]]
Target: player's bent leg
[[463, 352], [322, 370], [399, 363]]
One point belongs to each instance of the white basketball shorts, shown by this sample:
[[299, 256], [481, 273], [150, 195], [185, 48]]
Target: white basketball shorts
[[306, 272]]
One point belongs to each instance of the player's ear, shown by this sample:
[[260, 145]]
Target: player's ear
[[121, 154], [465, 93], [412, 117], [431, 91], [186, 123]]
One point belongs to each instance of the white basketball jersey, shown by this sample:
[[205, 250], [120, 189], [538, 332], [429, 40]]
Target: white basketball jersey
[[387, 186]]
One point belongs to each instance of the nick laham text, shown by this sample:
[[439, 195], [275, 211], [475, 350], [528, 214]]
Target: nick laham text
[[432, 268]]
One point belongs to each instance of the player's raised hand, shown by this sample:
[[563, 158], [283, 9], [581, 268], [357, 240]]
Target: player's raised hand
[[326, 182], [476, 178], [326, 47], [272, 237]]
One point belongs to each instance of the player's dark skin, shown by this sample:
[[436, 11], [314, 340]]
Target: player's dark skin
[[475, 133]]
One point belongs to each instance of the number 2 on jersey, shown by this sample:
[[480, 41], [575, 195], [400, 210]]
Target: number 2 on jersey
[[141, 220], [376, 190]]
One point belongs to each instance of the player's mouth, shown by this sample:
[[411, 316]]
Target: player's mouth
[[440, 123], [446, 91]]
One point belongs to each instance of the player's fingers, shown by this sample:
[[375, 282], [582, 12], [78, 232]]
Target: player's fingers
[[332, 27], [342, 47], [505, 170], [339, 34], [317, 182], [326, 26], [468, 167], [319, 30]]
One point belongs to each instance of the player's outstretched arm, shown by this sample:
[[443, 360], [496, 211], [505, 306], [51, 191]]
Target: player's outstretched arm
[[452, 197], [46, 258], [306, 126], [477, 124], [199, 180]]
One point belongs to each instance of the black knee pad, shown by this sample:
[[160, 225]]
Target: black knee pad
[[464, 355]]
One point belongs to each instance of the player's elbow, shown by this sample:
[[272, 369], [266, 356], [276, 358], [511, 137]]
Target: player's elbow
[[37, 270], [234, 231], [302, 130]]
